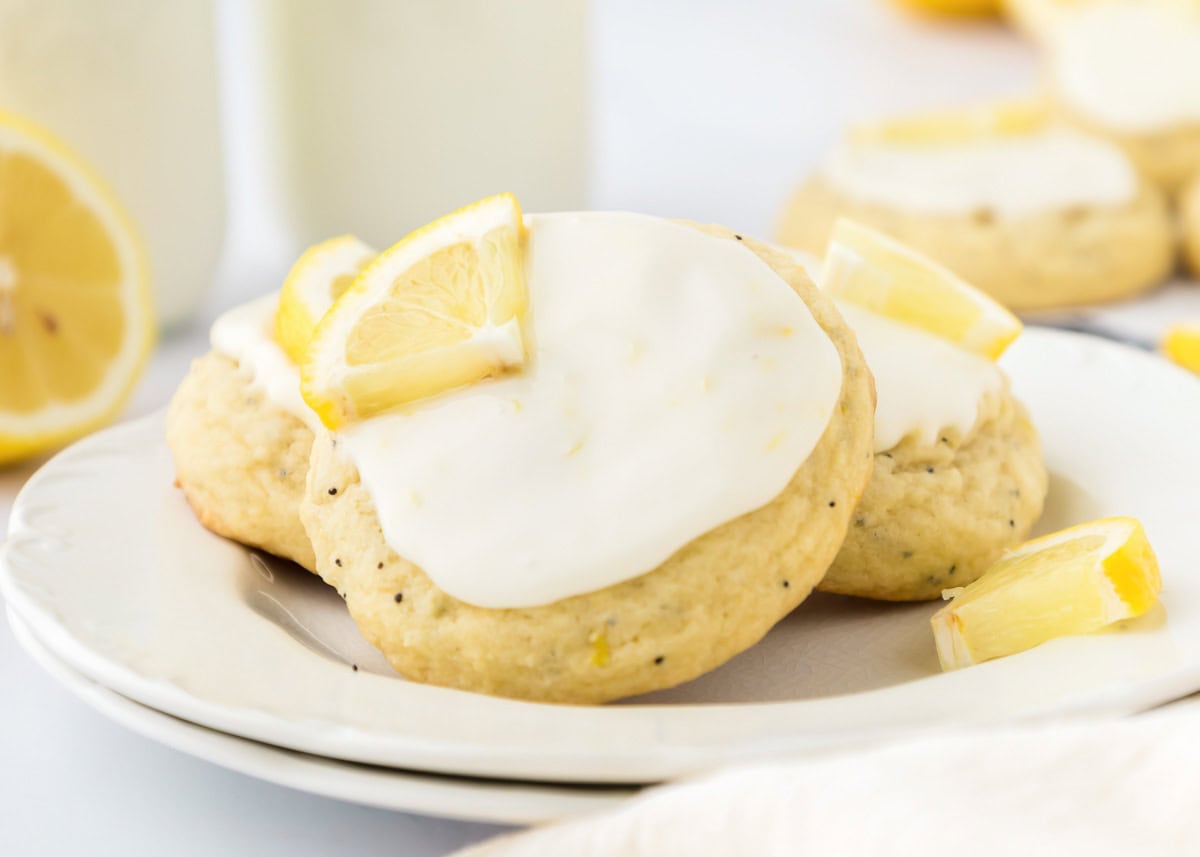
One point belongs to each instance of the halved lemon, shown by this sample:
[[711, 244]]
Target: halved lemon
[[955, 8], [1181, 345], [320, 276], [1075, 581], [75, 316], [441, 309], [1009, 117], [874, 271]]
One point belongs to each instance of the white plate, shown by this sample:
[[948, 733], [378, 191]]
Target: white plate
[[387, 788], [110, 569]]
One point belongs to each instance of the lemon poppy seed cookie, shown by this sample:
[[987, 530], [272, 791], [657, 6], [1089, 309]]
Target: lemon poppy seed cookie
[[1037, 216], [958, 474], [1130, 71], [240, 440], [669, 475], [937, 515], [238, 427]]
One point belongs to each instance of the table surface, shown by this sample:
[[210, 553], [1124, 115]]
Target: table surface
[[714, 129]]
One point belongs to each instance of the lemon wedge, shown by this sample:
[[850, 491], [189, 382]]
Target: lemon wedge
[[75, 315], [440, 309], [1181, 345], [1006, 118], [320, 276], [1075, 581], [878, 273]]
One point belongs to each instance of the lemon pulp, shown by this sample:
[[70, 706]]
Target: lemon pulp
[[1075, 581], [442, 308], [868, 268], [75, 321]]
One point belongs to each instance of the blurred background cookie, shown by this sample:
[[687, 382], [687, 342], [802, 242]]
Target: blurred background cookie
[[1034, 213], [1131, 72]]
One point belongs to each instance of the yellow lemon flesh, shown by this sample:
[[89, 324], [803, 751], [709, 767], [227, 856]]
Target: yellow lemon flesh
[[1181, 345], [880, 274], [1007, 118], [1074, 581], [442, 308], [75, 317], [320, 276]]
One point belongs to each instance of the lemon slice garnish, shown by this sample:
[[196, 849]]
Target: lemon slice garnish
[[1181, 345], [75, 315], [320, 276], [962, 125], [878, 273], [1074, 581], [440, 309]]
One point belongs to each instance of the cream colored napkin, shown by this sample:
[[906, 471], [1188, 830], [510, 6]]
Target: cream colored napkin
[[1125, 787]]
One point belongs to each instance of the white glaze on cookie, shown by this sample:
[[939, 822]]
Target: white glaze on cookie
[[1130, 66], [677, 383], [244, 333], [1008, 176], [925, 386]]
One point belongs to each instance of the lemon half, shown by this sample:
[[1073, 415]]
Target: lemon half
[[442, 308], [876, 272], [955, 8], [1075, 581], [75, 314]]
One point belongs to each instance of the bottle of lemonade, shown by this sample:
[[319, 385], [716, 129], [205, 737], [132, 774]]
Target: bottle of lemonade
[[132, 86], [387, 114]]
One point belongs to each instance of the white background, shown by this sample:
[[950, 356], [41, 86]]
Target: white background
[[706, 109]]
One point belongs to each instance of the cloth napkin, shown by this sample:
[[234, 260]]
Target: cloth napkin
[[1114, 787]]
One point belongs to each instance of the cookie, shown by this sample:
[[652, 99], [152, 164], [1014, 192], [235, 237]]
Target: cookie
[[1045, 259], [1130, 71], [240, 458], [714, 597], [935, 516]]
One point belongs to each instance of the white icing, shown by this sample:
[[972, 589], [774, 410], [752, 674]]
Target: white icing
[[677, 383], [924, 384], [1130, 66], [245, 334], [1009, 176]]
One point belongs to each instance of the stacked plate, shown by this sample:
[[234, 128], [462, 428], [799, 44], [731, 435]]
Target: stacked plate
[[251, 663]]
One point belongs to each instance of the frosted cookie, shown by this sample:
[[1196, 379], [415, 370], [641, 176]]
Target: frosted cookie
[[958, 474], [668, 475], [238, 429], [1036, 215], [241, 436], [1189, 223], [1131, 71]]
